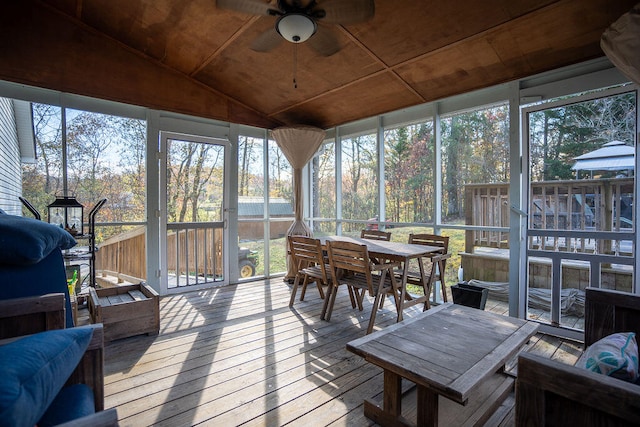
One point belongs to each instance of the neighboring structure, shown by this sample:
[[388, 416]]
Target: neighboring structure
[[17, 145], [251, 217], [613, 156]]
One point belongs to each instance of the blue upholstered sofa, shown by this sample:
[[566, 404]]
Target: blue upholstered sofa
[[54, 374], [31, 260], [53, 377]]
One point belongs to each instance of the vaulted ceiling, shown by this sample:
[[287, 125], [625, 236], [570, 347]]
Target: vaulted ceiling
[[189, 56]]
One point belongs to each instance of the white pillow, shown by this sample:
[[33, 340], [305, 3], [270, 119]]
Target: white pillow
[[615, 355]]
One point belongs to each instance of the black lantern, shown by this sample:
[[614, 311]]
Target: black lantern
[[66, 213]]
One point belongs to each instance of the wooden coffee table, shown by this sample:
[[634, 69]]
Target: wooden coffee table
[[448, 351]]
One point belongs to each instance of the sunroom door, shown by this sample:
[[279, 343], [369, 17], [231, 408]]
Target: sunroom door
[[193, 214], [581, 212]]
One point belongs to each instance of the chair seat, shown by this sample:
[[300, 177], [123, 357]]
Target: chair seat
[[358, 281], [415, 278], [315, 271]]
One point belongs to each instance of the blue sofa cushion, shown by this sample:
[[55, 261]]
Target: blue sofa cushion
[[73, 402], [34, 370], [46, 277], [26, 241]]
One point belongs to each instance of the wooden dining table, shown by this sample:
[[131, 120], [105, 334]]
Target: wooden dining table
[[450, 351], [397, 252]]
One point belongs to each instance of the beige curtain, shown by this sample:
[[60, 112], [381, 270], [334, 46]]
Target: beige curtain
[[621, 43], [299, 144]]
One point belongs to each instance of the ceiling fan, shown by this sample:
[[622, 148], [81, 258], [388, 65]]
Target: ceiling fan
[[297, 20]]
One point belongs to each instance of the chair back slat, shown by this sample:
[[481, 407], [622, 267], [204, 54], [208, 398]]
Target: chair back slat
[[430, 240], [307, 251], [353, 261], [375, 235]]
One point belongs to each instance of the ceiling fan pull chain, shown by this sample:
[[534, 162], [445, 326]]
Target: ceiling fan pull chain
[[295, 63]]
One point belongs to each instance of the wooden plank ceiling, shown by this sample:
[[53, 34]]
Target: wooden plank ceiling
[[191, 57]]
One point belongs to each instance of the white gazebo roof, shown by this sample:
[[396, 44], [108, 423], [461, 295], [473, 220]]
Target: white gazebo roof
[[615, 155]]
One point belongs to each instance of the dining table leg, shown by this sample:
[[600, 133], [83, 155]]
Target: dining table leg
[[390, 414], [392, 399], [442, 285], [426, 287], [426, 407], [403, 289]]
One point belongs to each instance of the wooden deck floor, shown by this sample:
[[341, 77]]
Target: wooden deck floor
[[237, 355]]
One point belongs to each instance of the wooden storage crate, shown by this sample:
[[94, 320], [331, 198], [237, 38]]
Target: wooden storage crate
[[125, 311]]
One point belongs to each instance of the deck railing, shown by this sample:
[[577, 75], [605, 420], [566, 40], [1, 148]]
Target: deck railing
[[194, 254], [486, 205], [585, 205], [123, 256]]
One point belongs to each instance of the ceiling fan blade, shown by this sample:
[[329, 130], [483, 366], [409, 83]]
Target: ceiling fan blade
[[324, 42], [252, 7], [267, 41], [347, 11]]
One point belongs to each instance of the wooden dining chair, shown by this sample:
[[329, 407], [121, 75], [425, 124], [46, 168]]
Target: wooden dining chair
[[311, 265], [351, 266], [431, 268], [375, 235]]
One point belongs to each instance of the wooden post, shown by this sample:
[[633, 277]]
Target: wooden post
[[608, 216], [468, 219]]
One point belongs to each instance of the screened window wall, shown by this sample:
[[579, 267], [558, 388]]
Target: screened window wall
[[92, 156], [265, 207], [446, 168], [581, 226], [443, 167], [324, 190], [471, 149], [359, 177]]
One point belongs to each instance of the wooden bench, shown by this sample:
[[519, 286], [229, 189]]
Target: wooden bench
[[552, 393]]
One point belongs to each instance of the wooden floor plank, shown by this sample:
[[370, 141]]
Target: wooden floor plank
[[238, 355]]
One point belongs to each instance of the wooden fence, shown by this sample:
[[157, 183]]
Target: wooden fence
[[598, 204]]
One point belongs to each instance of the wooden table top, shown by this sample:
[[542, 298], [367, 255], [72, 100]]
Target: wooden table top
[[389, 250], [450, 349]]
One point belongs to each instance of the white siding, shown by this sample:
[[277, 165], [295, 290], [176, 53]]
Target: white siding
[[10, 171]]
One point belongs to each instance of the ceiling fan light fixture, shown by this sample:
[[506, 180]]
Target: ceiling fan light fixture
[[296, 27]]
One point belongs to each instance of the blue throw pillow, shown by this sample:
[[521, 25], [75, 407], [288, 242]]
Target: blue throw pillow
[[26, 241], [34, 369], [615, 355]]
